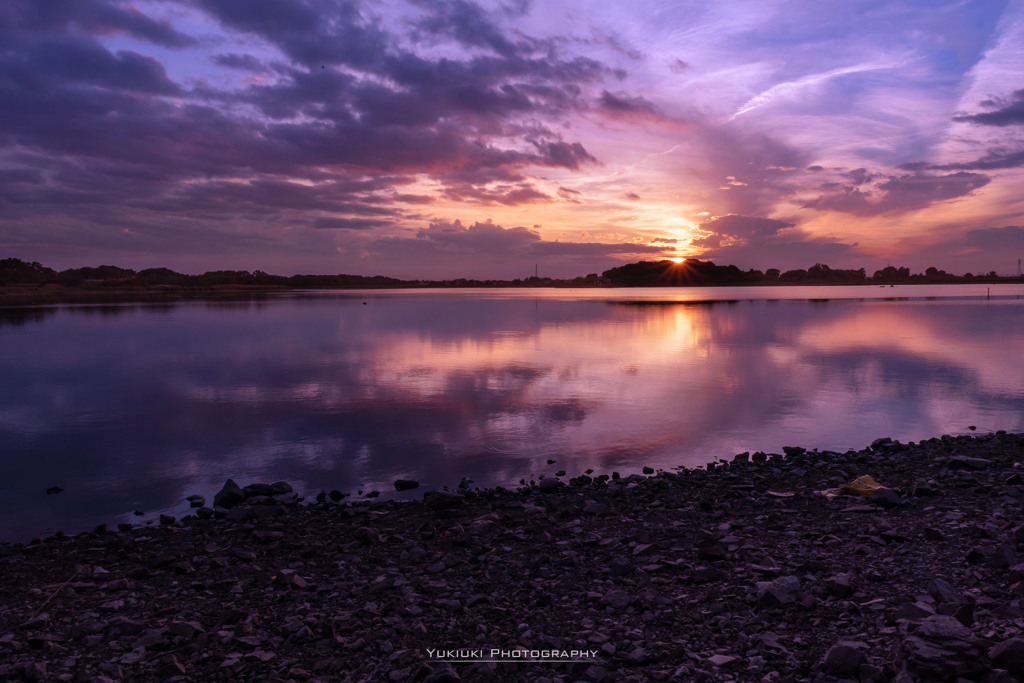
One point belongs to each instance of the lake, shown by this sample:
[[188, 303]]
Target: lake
[[136, 406]]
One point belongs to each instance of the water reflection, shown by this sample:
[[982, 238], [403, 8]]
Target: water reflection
[[139, 408]]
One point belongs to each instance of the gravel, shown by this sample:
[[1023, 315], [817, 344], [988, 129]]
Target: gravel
[[744, 571]]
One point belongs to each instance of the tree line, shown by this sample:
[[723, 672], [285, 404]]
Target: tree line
[[16, 271], [691, 272]]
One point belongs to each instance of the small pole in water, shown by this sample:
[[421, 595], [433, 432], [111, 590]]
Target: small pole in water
[[988, 293]]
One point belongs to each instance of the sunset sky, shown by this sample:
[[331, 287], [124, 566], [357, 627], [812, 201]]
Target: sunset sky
[[438, 139]]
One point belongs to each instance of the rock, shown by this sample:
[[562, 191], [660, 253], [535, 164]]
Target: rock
[[196, 501], [35, 671], [721, 660], [925, 489], [1008, 655], [618, 599], [53, 490], [648, 470], [444, 673], [840, 585], [184, 629], [970, 463], [913, 611], [288, 577], [170, 667], [166, 520], [442, 500], [885, 498], [548, 485], [638, 655], [940, 647], [943, 591], [229, 496], [1004, 556], [258, 489], [843, 659], [713, 551], [406, 484], [793, 451], [706, 574], [280, 488], [781, 591]]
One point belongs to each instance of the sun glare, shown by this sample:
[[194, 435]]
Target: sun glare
[[677, 259]]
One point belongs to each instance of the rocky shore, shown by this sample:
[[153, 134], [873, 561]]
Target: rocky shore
[[744, 571]]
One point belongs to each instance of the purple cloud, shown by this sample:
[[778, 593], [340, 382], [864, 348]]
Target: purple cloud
[[896, 194], [1009, 238], [91, 16], [752, 242], [1006, 112], [621, 104]]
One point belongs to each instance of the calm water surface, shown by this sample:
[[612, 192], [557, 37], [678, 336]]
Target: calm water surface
[[135, 407]]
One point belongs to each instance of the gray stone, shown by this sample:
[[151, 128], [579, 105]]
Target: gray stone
[[618, 599], [184, 629], [843, 658], [1008, 655], [229, 496], [406, 484], [257, 489], [970, 463], [943, 591], [442, 500], [781, 591], [940, 647], [885, 498], [721, 660], [840, 585], [914, 611], [548, 485], [35, 671]]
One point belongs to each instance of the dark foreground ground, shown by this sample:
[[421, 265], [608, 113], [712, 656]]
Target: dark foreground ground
[[746, 573]]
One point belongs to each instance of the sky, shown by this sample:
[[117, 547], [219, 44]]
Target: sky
[[439, 139]]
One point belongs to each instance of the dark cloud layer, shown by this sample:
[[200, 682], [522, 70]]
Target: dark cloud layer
[[348, 103], [1005, 112], [751, 242], [894, 193], [1009, 239], [488, 250]]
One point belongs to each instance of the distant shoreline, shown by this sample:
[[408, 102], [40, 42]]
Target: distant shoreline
[[28, 295]]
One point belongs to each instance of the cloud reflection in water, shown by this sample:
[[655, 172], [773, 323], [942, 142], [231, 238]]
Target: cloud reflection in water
[[139, 407]]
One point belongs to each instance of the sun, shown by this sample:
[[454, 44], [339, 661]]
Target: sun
[[677, 259]]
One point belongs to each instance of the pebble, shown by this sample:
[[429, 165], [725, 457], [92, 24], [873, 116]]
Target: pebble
[[698, 574]]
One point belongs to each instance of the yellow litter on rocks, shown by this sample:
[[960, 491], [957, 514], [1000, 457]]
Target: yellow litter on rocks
[[862, 486]]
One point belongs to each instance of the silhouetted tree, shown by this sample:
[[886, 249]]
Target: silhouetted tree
[[16, 271]]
